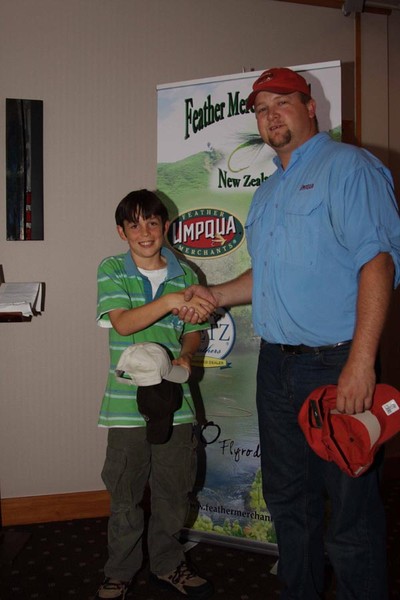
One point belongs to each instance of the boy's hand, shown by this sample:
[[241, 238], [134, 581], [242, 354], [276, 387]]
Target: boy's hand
[[184, 360]]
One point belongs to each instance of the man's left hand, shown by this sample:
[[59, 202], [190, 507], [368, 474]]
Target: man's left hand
[[355, 388]]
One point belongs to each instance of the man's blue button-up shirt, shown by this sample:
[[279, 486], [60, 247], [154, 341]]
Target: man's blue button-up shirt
[[310, 229]]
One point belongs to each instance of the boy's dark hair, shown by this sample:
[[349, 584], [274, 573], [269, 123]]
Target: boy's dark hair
[[140, 203]]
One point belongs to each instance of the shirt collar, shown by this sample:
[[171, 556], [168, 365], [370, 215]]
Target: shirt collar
[[174, 268], [304, 150]]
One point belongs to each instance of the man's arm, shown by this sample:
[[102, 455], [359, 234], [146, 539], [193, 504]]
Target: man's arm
[[129, 321], [356, 383], [231, 293], [235, 292]]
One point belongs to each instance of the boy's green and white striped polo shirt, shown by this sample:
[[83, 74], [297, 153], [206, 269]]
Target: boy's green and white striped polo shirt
[[121, 285]]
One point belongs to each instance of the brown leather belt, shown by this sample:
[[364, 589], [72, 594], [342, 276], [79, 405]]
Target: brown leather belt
[[302, 349]]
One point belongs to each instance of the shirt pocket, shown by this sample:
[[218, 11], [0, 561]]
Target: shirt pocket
[[254, 225], [299, 236]]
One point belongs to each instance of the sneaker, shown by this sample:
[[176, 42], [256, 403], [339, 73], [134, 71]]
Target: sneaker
[[185, 581], [112, 589]]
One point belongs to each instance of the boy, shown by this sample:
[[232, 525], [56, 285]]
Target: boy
[[136, 293]]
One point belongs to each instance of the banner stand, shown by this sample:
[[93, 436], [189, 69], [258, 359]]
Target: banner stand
[[210, 161]]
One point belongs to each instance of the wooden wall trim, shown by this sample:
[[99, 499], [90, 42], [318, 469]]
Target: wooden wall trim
[[339, 4], [91, 505], [55, 507], [357, 73]]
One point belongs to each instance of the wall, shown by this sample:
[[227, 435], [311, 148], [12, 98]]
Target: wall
[[96, 65]]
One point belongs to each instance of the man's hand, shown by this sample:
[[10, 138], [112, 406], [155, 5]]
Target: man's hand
[[200, 302], [230, 293], [356, 388]]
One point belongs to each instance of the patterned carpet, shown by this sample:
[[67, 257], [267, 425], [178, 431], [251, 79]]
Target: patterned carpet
[[65, 560]]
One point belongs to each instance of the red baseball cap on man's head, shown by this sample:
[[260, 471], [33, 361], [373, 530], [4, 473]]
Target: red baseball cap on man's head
[[279, 81], [351, 441]]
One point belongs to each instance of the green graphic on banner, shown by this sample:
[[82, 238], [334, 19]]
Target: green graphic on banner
[[211, 159]]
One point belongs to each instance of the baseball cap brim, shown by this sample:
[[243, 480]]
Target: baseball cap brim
[[177, 374], [274, 90]]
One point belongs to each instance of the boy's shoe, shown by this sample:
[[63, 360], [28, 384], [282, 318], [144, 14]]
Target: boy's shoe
[[185, 581], [112, 589]]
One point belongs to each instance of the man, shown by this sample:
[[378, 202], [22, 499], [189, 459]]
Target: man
[[323, 233]]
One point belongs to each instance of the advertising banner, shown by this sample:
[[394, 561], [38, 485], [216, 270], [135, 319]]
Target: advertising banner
[[211, 159]]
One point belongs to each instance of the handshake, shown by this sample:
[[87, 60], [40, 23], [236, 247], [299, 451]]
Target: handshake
[[198, 303]]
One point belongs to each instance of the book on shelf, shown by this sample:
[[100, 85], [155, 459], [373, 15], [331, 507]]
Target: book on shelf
[[26, 298]]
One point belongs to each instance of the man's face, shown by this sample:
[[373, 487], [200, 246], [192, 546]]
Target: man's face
[[284, 121]]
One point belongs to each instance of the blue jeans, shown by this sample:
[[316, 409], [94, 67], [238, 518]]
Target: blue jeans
[[170, 470], [297, 483]]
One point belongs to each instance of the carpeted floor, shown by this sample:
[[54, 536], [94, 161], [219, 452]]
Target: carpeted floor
[[65, 560]]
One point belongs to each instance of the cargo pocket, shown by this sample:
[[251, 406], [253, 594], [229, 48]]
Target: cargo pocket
[[114, 469]]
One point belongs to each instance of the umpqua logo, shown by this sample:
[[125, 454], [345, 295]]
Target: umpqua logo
[[205, 233]]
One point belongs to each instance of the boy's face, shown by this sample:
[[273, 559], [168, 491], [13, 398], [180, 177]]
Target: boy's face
[[145, 238]]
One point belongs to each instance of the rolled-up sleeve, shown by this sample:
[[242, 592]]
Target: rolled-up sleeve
[[371, 222]]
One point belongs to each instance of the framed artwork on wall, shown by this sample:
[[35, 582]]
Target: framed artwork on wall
[[24, 169]]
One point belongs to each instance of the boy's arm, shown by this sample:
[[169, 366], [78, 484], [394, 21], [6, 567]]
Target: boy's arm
[[190, 345], [129, 321]]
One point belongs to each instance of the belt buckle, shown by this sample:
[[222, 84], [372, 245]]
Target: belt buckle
[[288, 349]]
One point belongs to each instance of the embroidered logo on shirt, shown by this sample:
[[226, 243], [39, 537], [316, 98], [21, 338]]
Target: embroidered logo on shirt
[[307, 186]]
